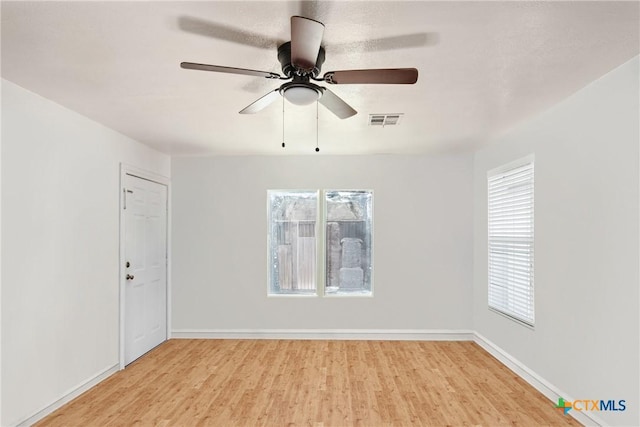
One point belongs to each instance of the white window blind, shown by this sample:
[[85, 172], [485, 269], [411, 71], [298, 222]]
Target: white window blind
[[510, 224]]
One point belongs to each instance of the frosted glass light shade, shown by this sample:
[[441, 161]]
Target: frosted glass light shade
[[300, 95]]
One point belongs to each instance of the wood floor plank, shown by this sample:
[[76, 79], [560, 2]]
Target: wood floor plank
[[312, 383]]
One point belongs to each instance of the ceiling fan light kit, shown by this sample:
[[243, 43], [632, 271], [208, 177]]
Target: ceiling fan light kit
[[301, 60], [301, 93]]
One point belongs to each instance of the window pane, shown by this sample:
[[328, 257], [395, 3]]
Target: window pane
[[292, 242], [348, 242]]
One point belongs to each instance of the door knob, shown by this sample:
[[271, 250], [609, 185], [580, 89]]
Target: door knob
[[129, 277]]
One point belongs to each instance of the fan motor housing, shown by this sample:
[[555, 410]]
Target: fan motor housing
[[284, 56]]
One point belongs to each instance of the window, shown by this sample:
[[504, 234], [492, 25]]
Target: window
[[510, 226], [348, 242], [292, 242], [345, 245]]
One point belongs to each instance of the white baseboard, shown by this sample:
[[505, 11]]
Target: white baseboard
[[70, 395], [329, 334], [535, 380]]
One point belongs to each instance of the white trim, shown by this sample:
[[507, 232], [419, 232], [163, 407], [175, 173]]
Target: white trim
[[511, 318], [1, 273], [536, 381], [121, 270], [343, 294], [126, 169], [321, 230], [141, 173], [530, 158], [70, 395], [292, 295], [329, 334], [169, 263]]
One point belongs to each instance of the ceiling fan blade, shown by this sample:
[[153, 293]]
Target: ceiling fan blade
[[224, 32], [314, 9], [380, 76], [261, 103], [404, 41], [230, 70], [336, 105], [306, 37]]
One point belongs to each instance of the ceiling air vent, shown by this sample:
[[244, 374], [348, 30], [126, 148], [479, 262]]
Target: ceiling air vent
[[384, 119]]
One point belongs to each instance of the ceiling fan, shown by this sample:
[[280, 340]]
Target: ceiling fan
[[301, 60]]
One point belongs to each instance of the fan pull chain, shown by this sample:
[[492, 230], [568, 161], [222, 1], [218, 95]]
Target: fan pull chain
[[283, 122], [317, 148]]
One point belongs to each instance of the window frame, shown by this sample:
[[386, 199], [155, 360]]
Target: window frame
[[503, 311], [320, 236]]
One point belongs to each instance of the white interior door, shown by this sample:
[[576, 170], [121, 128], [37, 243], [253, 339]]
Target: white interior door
[[145, 295]]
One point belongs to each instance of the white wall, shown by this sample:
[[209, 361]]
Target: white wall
[[587, 255], [422, 242], [60, 243]]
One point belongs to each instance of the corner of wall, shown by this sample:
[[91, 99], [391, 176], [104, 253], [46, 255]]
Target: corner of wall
[[1, 366]]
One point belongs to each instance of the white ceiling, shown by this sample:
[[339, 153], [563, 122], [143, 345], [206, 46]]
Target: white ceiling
[[484, 66]]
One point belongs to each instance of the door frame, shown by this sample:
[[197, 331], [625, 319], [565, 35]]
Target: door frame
[[125, 170]]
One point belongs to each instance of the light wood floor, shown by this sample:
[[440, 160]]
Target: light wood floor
[[312, 383]]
